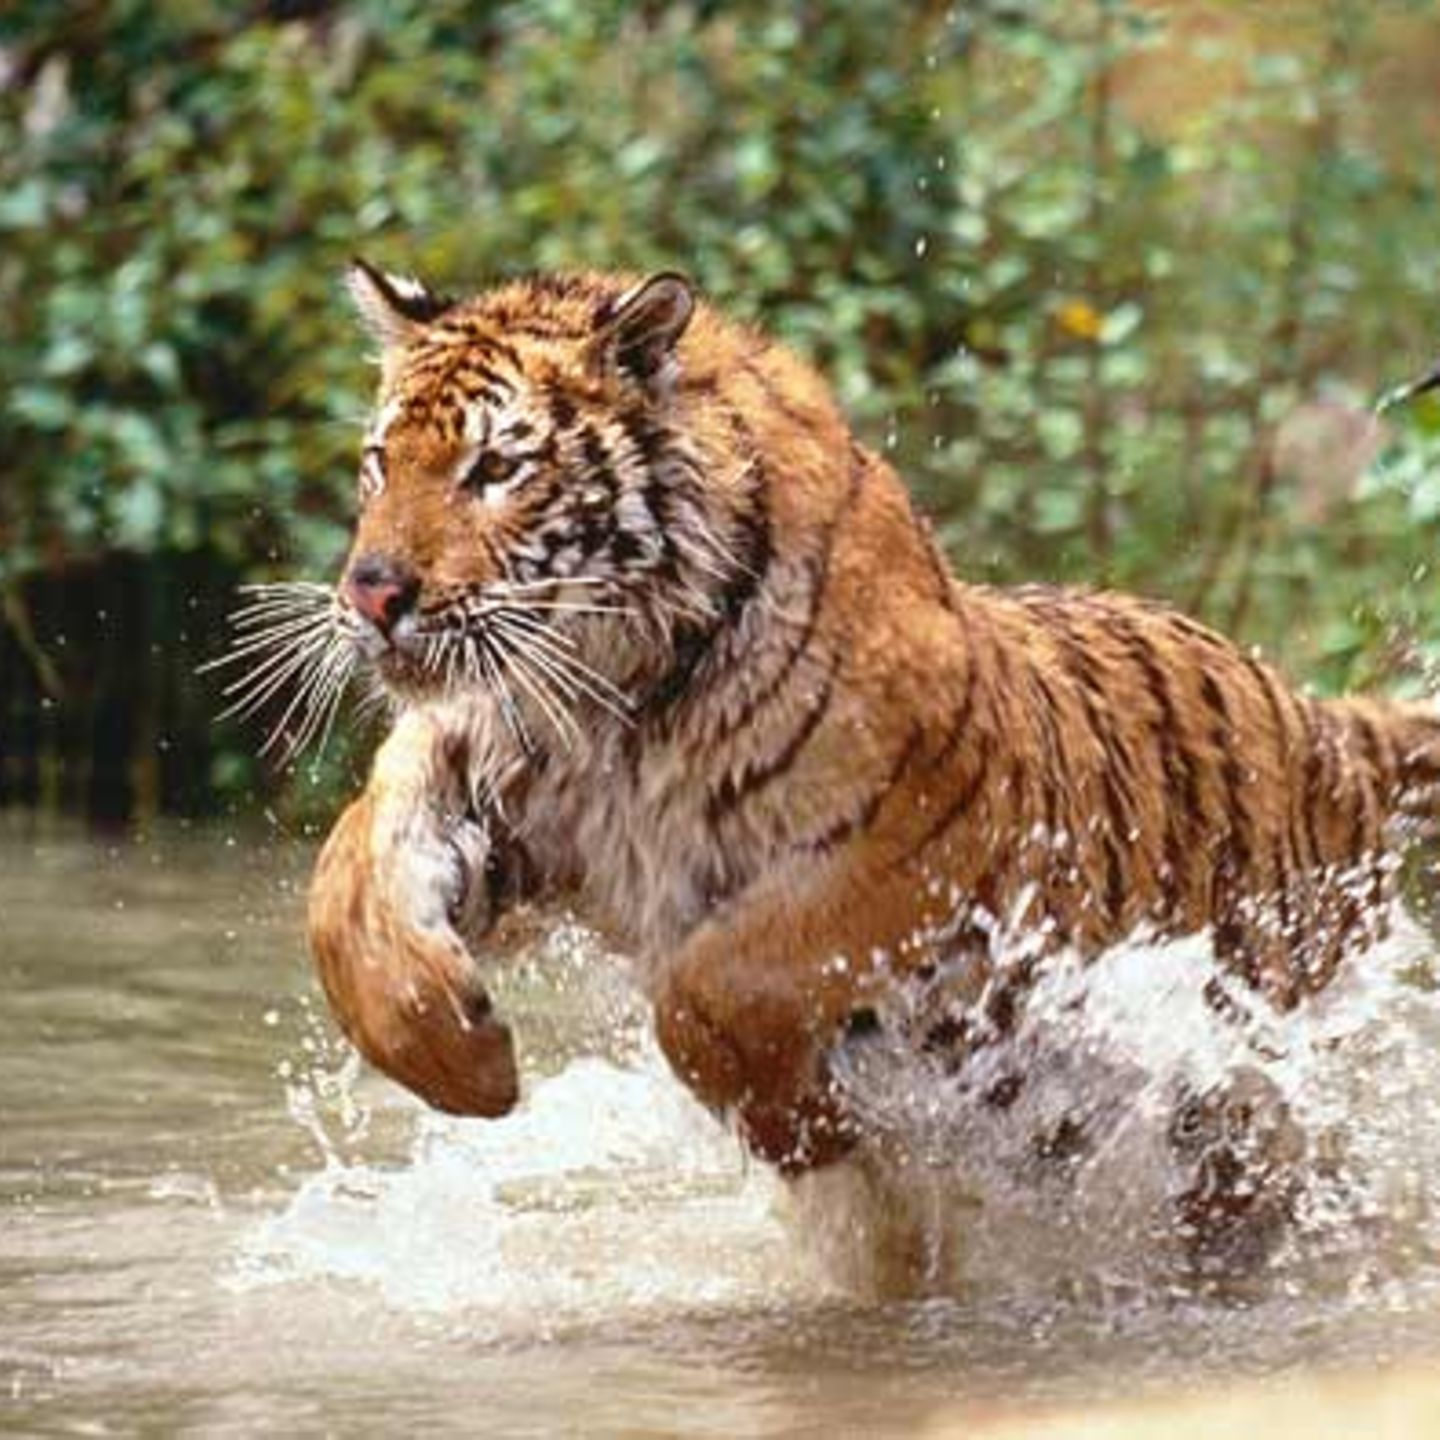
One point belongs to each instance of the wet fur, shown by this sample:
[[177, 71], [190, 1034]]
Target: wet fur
[[846, 771]]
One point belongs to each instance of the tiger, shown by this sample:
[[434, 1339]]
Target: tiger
[[670, 647]]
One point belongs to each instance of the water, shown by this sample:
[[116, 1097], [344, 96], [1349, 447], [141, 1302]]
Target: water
[[213, 1222]]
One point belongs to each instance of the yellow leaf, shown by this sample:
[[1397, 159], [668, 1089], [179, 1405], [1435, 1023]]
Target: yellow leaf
[[1080, 318]]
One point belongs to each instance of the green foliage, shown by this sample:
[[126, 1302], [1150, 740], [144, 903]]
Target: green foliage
[[1114, 285]]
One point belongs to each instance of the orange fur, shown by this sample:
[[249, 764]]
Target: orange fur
[[844, 772]]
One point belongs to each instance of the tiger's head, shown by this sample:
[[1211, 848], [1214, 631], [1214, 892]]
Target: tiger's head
[[526, 484]]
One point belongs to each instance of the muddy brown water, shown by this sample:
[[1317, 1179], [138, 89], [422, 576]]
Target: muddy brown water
[[214, 1223]]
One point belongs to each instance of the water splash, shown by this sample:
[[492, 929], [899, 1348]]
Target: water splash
[[1122, 1080], [610, 1191]]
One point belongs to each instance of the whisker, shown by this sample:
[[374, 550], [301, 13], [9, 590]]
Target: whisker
[[291, 634], [570, 607], [328, 705], [263, 588], [255, 690], [276, 587], [534, 683], [314, 711], [539, 691], [522, 646], [310, 643], [336, 669], [495, 675], [281, 605], [248, 633], [579, 673], [247, 628], [570, 685], [273, 599], [288, 633], [279, 620], [533, 624], [299, 701], [305, 693], [470, 649]]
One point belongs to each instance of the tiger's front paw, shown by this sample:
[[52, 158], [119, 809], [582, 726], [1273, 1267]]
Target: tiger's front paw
[[399, 979], [410, 874], [438, 1036]]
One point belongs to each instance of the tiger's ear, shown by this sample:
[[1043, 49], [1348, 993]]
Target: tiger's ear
[[393, 308], [637, 333]]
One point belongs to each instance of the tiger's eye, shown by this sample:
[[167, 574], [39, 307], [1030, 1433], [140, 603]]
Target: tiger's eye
[[489, 469]]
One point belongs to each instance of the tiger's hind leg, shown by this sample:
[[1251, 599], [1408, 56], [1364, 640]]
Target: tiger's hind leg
[[1241, 1154]]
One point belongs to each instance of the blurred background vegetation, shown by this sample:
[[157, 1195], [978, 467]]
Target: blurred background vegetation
[[1117, 281]]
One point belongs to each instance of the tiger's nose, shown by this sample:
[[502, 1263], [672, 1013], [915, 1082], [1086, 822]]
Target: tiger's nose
[[381, 589]]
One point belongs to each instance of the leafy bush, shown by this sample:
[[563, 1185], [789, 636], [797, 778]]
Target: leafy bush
[[1116, 281]]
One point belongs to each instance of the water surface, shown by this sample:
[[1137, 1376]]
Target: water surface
[[212, 1221]]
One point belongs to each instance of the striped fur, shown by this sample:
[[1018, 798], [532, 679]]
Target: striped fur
[[839, 770]]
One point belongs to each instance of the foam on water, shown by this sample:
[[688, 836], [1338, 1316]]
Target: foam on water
[[610, 1191]]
